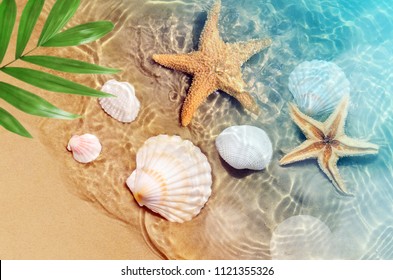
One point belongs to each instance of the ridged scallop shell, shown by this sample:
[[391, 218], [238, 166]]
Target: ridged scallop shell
[[303, 237], [245, 147], [317, 86], [85, 148], [172, 178], [125, 106]]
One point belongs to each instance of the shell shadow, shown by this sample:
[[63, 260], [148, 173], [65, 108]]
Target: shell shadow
[[237, 173]]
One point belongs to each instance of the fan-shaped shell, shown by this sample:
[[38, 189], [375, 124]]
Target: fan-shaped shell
[[317, 86], [85, 148], [245, 147], [303, 237], [172, 178], [125, 106]]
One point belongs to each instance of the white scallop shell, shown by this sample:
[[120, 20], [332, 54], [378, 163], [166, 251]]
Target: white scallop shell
[[125, 106], [303, 237], [172, 178], [245, 147], [317, 86], [85, 148]]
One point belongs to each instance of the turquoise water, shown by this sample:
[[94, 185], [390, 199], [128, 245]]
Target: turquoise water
[[281, 212], [357, 36]]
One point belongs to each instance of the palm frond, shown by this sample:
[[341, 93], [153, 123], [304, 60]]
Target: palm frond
[[28, 20], [10, 123], [51, 35], [61, 12], [81, 34], [68, 65], [7, 21], [51, 82], [31, 103]]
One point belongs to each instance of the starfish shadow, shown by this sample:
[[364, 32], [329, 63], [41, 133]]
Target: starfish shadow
[[363, 160], [199, 23]]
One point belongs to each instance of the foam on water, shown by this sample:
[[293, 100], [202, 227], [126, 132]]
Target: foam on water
[[245, 207]]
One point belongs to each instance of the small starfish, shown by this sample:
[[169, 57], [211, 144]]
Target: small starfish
[[327, 142], [216, 65]]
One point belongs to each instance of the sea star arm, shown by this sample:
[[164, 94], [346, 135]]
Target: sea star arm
[[311, 128], [327, 161], [201, 87], [308, 149], [236, 88], [336, 121], [210, 41], [181, 62], [354, 147], [245, 50], [247, 102]]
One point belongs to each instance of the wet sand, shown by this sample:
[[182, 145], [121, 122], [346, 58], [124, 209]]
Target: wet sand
[[101, 184], [54, 207], [41, 219]]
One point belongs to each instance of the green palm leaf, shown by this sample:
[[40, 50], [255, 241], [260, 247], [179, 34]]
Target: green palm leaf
[[81, 34], [51, 82], [51, 35], [61, 13], [27, 22], [68, 65], [7, 21], [9, 122], [31, 103]]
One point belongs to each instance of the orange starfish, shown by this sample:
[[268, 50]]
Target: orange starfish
[[327, 142], [216, 65]]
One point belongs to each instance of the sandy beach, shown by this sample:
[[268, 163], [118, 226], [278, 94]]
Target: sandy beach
[[56, 208], [41, 219]]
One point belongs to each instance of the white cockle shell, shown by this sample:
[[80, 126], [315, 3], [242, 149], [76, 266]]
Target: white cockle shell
[[125, 106], [172, 178], [317, 86], [85, 148], [303, 237], [245, 147]]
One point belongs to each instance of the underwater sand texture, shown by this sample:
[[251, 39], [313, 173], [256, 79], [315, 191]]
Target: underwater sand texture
[[41, 218], [245, 207]]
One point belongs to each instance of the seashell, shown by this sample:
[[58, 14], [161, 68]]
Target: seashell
[[317, 86], [84, 148], [125, 106], [172, 178], [303, 237], [245, 147]]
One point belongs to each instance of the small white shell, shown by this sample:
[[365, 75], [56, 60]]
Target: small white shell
[[317, 86], [245, 147], [172, 178], [125, 106], [85, 148]]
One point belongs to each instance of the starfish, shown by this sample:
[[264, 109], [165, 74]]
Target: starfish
[[327, 142], [216, 65]]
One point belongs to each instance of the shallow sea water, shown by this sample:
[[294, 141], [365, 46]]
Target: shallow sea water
[[246, 207]]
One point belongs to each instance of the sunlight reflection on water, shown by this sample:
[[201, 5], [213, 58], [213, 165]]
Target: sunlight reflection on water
[[245, 207]]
